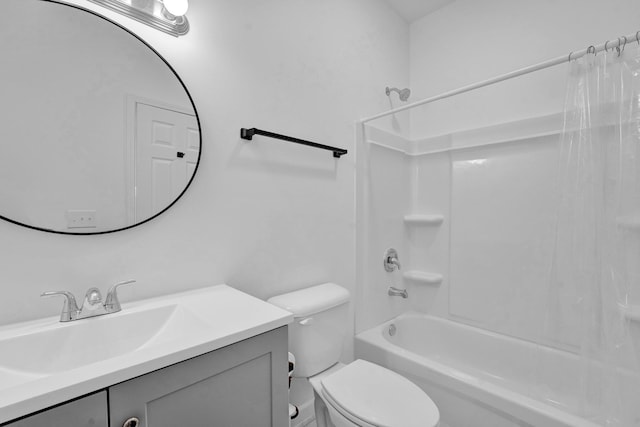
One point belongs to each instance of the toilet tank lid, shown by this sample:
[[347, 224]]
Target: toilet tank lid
[[312, 300]]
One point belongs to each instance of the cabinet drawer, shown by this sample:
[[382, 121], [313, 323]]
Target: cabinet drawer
[[90, 411]]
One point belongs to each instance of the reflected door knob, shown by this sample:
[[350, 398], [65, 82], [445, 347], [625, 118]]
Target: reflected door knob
[[132, 422]]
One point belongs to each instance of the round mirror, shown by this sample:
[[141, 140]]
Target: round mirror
[[98, 133]]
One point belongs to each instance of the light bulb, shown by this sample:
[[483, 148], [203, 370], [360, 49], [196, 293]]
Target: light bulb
[[176, 7]]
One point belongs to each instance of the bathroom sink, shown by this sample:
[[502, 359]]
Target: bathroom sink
[[46, 362], [71, 345]]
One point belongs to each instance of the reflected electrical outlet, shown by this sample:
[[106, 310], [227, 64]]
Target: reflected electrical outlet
[[81, 219]]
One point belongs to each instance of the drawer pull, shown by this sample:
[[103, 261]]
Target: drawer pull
[[306, 322], [132, 422]]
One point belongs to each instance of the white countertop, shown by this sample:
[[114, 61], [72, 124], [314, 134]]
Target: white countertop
[[224, 316]]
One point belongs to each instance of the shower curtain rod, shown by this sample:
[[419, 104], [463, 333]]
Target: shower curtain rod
[[609, 44]]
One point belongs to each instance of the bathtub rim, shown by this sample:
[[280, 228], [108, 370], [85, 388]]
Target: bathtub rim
[[507, 401]]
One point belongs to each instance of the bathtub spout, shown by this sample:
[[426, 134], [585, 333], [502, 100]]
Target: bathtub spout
[[395, 292]]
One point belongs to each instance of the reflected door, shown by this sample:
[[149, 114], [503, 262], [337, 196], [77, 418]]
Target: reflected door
[[166, 154]]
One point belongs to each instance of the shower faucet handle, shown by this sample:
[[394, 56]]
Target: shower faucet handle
[[391, 261]]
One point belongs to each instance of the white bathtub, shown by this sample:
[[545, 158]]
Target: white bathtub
[[478, 378]]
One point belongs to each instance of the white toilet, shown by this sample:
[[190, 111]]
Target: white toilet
[[358, 394]]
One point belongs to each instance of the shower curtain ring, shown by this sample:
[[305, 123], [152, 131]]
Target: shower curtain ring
[[638, 38], [606, 49], [591, 49], [618, 47], [625, 42], [571, 53]]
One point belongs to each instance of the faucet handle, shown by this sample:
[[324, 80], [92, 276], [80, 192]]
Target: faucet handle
[[70, 308], [111, 302], [391, 261]]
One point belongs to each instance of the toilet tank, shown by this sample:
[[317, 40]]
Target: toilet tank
[[320, 325]]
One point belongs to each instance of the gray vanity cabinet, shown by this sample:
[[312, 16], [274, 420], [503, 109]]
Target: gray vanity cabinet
[[242, 385], [89, 411]]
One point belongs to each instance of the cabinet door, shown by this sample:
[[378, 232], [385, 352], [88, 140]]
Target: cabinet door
[[90, 411], [242, 385]]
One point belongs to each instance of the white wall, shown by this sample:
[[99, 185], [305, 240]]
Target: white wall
[[266, 217], [469, 41]]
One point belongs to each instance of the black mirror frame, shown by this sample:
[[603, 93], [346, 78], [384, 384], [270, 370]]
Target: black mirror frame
[[194, 110]]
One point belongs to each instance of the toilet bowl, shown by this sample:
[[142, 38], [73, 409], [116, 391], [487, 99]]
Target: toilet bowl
[[368, 395], [358, 394]]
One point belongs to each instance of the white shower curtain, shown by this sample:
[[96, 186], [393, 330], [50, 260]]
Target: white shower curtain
[[594, 284]]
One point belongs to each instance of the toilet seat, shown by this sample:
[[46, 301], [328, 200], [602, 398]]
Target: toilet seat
[[370, 395]]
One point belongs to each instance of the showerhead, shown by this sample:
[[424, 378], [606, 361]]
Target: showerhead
[[403, 93]]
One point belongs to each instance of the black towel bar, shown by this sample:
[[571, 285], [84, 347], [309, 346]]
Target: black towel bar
[[249, 133]]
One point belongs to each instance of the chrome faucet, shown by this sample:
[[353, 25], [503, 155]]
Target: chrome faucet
[[395, 292], [391, 260], [69, 309], [92, 305]]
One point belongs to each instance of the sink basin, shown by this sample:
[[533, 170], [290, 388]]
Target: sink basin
[[45, 362], [83, 342]]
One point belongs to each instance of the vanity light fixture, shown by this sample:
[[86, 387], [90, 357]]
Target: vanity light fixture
[[164, 15], [176, 7]]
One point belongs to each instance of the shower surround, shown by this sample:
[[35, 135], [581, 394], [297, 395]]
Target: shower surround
[[473, 215], [486, 163]]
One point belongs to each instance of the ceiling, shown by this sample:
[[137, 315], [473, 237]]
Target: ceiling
[[412, 10]]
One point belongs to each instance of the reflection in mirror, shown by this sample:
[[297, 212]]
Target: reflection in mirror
[[98, 132]]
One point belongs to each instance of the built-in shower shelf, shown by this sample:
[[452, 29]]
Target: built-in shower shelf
[[632, 312], [423, 277], [630, 222], [423, 219]]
